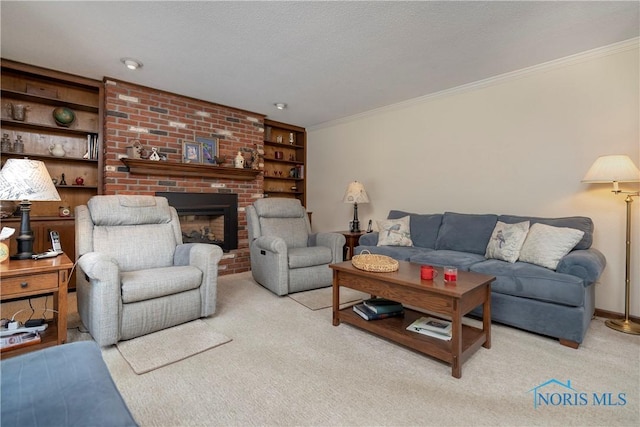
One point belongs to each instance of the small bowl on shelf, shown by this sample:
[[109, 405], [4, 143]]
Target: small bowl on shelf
[[64, 116]]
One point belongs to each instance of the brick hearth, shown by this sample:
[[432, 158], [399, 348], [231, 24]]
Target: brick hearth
[[161, 119]]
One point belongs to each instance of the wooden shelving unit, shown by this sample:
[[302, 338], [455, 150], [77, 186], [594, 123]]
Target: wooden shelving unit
[[40, 91], [285, 159]]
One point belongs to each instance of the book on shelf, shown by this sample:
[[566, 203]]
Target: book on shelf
[[432, 327], [92, 147], [367, 314], [19, 340], [382, 305]]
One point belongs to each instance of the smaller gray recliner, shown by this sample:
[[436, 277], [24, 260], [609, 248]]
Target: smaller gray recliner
[[286, 257]]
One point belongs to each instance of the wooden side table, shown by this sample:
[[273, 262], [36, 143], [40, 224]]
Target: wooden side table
[[352, 241], [34, 278]]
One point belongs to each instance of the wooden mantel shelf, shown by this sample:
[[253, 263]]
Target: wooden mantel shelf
[[150, 167]]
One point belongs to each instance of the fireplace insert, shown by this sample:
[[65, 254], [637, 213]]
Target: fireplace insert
[[207, 217]]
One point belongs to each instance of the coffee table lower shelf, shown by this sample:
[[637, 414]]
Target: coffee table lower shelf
[[394, 329]]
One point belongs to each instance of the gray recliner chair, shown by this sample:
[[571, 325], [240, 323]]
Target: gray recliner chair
[[135, 276], [285, 256]]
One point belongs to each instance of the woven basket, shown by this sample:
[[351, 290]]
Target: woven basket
[[376, 263]]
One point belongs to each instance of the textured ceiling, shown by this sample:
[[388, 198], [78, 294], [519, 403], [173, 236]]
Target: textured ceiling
[[326, 60]]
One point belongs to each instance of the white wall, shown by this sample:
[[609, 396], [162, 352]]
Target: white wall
[[516, 144]]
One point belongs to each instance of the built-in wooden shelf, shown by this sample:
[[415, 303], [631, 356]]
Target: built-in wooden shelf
[[150, 167]]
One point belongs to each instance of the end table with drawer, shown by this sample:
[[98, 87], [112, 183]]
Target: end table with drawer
[[35, 278]]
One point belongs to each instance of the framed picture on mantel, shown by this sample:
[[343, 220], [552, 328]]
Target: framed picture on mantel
[[209, 149], [191, 152]]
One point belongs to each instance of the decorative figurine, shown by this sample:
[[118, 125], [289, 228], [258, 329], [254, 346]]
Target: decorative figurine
[[154, 154], [255, 159], [62, 180], [239, 160], [134, 151]]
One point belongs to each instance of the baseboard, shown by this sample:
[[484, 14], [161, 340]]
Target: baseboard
[[613, 315]]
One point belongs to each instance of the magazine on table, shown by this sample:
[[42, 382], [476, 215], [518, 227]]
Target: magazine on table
[[432, 326]]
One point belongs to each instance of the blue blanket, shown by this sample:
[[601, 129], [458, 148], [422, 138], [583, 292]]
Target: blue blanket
[[65, 385]]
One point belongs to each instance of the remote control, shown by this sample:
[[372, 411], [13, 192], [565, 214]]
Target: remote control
[[50, 254]]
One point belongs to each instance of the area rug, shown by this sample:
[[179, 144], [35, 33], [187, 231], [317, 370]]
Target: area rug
[[168, 346], [322, 298]]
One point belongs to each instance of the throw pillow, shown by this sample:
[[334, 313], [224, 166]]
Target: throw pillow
[[546, 245], [394, 232], [506, 241]]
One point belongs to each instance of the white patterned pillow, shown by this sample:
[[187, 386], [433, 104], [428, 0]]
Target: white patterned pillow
[[506, 241], [394, 232], [547, 245]]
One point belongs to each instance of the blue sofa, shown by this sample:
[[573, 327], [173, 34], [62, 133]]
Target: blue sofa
[[558, 303], [65, 385]]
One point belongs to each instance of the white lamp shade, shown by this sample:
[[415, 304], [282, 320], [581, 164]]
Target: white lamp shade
[[25, 179], [355, 193], [614, 168]]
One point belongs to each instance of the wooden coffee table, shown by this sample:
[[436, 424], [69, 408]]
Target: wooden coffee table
[[450, 300]]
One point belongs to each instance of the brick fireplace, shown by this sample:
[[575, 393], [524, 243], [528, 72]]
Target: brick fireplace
[[164, 120]]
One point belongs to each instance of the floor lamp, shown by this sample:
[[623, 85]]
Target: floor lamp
[[615, 169], [355, 194]]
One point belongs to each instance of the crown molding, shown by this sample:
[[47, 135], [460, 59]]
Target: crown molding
[[623, 46]]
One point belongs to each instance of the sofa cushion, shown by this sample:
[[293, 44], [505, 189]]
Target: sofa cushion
[[462, 260], [465, 232], [401, 253], [424, 228], [394, 232], [506, 241], [546, 245], [531, 281], [578, 222]]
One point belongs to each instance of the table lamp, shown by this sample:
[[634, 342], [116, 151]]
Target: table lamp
[[355, 194], [614, 169], [26, 180]]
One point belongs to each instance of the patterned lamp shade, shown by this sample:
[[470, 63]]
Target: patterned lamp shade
[[355, 193], [25, 179]]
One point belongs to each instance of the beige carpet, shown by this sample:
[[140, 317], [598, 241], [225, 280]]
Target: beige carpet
[[153, 351], [318, 299], [289, 366]]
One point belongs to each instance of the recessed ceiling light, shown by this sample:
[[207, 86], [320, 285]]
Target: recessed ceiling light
[[280, 105], [131, 63]]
